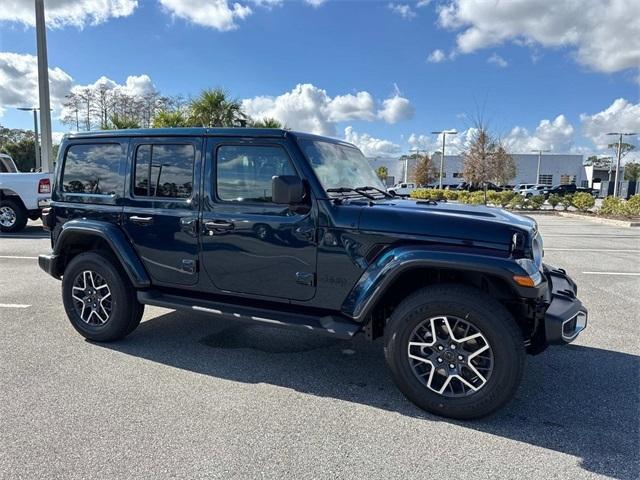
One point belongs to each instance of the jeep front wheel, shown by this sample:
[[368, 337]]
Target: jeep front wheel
[[454, 351], [99, 299]]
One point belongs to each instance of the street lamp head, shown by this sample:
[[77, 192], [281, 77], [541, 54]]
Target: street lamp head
[[28, 109]]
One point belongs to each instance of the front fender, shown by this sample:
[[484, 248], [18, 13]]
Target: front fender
[[73, 230], [381, 274]]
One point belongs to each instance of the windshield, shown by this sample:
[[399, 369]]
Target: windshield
[[339, 166]]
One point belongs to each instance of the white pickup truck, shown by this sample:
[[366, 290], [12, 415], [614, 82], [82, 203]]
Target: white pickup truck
[[22, 195]]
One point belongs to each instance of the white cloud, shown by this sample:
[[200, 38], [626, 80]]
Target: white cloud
[[360, 106], [620, 116], [497, 60], [315, 3], [370, 146], [19, 82], [556, 135], [134, 85], [404, 10], [60, 13], [455, 144], [309, 108], [436, 56], [396, 108], [605, 36], [218, 14]]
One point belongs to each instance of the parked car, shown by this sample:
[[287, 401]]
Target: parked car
[[292, 230], [22, 195], [475, 187], [533, 191], [524, 186], [565, 189], [402, 189]]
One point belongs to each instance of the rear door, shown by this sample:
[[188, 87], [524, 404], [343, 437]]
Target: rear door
[[249, 244], [161, 209]]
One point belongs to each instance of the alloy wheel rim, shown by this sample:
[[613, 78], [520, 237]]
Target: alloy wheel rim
[[7, 216], [450, 356], [92, 298]]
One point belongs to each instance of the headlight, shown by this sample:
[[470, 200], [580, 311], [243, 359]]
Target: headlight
[[537, 249]]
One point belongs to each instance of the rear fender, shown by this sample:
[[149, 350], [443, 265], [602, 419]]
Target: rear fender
[[75, 231]]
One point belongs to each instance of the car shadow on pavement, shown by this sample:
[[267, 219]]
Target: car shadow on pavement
[[30, 232], [577, 400]]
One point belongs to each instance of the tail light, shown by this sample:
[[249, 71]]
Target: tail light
[[44, 186]]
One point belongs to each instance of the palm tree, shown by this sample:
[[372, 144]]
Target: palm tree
[[213, 108], [122, 123], [267, 122], [170, 119]]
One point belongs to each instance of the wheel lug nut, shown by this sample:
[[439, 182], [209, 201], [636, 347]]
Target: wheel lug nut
[[453, 347], [451, 365], [439, 360], [440, 347], [460, 357]]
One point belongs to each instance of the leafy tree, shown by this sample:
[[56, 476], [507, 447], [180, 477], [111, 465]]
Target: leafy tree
[[424, 172], [382, 172], [625, 148], [214, 108], [502, 166], [170, 119], [123, 123], [22, 152], [267, 122], [478, 158], [632, 171]]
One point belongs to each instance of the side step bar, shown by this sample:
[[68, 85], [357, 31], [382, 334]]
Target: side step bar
[[328, 325]]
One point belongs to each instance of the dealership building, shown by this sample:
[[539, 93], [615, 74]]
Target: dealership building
[[554, 169]]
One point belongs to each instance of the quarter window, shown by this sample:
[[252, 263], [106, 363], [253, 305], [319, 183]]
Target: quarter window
[[163, 170], [244, 173], [92, 169]]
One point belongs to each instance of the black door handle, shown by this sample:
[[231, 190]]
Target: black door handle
[[213, 226], [141, 220]]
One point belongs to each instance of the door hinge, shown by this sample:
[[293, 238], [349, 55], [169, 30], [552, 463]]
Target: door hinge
[[189, 266], [305, 278]]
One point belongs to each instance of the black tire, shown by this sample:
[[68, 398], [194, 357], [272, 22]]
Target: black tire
[[19, 215], [125, 310], [489, 317]]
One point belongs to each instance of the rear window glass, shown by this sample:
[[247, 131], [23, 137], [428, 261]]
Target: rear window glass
[[163, 170], [92, 169]]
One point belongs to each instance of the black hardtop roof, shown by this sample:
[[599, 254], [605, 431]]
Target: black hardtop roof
[[202, 131]]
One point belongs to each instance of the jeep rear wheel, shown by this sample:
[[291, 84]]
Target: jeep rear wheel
[[99, 299], [13, 217], [454, 351]]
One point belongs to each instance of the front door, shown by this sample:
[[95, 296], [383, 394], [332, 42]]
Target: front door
[[249, 244], [161, 211]]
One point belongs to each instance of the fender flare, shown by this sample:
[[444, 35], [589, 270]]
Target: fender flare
[[388, 266], [113, 236]]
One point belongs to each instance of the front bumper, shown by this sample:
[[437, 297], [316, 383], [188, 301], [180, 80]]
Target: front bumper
[[48, 263], [565, 317]]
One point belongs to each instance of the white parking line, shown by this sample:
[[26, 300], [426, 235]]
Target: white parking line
[[13, 305], [629, 274], [18, 257]]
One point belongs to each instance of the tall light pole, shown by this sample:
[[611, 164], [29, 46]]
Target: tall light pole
[[35, 130], [444, 137], [620, 135], [43, 87], [540, 152]]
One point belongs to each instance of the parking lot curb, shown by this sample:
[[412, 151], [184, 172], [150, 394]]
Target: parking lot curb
[[601, 220]]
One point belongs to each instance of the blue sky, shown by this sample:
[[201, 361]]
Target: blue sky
[[517, 79]]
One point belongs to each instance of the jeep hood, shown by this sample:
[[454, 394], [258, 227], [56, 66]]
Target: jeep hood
[[469, 224]]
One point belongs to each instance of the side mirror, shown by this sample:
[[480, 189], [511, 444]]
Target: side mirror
[[287, 190]]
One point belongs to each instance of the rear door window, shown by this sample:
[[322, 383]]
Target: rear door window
[[164, 170], [92, 168]]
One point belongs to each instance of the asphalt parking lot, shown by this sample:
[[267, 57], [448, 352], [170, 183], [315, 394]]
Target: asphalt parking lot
[[186, 396]]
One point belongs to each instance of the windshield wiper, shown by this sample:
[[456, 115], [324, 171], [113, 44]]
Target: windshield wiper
[[349, 189], [369, 188]]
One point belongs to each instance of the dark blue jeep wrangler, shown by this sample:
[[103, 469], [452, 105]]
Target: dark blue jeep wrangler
[[294, 230]]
